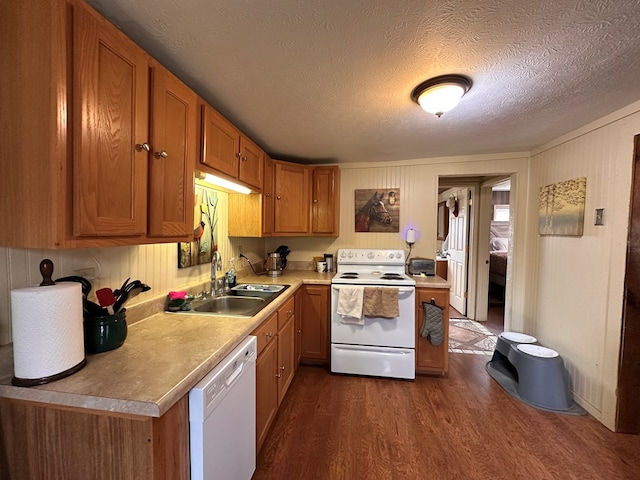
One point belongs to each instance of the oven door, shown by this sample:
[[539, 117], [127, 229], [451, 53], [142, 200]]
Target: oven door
[[385, 332]]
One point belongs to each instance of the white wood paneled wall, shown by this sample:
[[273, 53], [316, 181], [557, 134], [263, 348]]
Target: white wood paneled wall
[[577, 308]]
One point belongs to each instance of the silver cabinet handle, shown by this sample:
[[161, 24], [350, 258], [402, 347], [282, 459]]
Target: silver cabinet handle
[[278, 197], [162, 154], [315, 200], [278, 375], [282, 367], [244, 159], [143, 146]]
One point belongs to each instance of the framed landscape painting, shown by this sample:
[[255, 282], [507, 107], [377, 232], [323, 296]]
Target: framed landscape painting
[[561, 208]]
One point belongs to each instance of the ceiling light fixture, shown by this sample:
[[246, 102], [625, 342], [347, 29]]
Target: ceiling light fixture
[[440, 94]]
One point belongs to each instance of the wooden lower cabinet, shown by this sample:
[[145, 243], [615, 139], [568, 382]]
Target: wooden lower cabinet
[[266, 391], [275, 366], [38, 441], [314, 325], [286, 358], [430, 359], [441, 268]]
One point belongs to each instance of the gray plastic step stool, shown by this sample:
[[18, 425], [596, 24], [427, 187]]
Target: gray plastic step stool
[[542, 382]]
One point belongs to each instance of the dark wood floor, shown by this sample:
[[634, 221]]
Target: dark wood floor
[[461, 427]]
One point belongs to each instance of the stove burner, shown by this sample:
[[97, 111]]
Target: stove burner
[[392, 276], [350, 276], [355, 274]]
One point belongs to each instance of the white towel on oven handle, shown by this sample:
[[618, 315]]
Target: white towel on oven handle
[[350, 300]]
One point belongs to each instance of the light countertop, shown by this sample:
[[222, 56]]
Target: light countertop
[[163, 357], [431, 282]]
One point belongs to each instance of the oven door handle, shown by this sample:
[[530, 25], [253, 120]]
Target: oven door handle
[[400, 289]]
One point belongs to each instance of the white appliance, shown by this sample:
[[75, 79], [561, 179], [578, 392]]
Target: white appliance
[[222, 418], [381, 346]]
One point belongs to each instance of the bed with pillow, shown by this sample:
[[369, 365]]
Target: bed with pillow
[[498, 260]]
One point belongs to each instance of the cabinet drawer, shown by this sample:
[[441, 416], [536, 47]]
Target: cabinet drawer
[[266, 332], [285, 312]]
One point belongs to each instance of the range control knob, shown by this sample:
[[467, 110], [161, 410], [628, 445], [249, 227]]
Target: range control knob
[[343, 255], [371, 255], [350, 255]]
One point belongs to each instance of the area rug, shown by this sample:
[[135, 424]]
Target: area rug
[[469, 336]]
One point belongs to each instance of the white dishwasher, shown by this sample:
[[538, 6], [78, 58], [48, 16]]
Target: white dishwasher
[[222, 418]]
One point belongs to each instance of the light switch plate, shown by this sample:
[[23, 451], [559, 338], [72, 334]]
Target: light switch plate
[[599, 216]]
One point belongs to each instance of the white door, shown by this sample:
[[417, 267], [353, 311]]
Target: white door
[[457, 268]]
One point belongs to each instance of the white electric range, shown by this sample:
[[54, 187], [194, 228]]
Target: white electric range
[[378, 346]]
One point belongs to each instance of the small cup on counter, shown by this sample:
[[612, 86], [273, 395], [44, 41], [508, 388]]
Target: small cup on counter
[[321, 267]]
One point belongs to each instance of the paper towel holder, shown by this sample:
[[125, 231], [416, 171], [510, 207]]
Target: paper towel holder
[[32, 382], [46, 270]]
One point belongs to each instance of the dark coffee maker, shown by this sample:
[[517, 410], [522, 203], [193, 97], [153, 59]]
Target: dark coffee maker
[[328, 258]]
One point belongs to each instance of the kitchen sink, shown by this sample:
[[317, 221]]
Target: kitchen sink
[[257, 290], [232, 305], [244, 300]]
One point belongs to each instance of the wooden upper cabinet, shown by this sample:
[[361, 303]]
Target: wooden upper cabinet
[[325, 201], [220, 143], [227, 151], [292, 187], [268, 196], [88, 115], [250, 169], [111, 117], [174, 142]]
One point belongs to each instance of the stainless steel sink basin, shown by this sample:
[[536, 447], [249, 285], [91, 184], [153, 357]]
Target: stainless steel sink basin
[[232, 305], [244, 300]]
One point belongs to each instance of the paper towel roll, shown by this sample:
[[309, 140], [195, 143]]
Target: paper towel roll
[[48, 336]]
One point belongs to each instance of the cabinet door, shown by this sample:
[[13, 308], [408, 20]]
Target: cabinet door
[[292, 184], [299, 299], [220, 143], [266, 391], [111, 117], [315, 324], [325, 201], [430, 359], [173, 153], [267, 197], [286, 357], [251, 163]]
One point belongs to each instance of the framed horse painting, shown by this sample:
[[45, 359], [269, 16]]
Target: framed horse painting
[[377, 210]]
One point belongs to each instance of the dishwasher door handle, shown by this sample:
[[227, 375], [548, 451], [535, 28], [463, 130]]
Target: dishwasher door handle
[[234, 375]]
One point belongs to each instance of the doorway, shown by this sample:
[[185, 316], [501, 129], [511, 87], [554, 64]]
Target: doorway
[[488, 217]]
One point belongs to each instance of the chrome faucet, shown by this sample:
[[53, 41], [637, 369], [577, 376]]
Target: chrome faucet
[[216, 266]]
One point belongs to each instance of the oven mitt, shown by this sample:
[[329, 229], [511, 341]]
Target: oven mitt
[[432, 324]]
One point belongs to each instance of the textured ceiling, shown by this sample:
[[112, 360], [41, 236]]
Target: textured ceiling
[[330, 80]]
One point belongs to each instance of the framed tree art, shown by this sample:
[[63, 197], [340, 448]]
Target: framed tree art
[[198, 251], [561, 208]]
